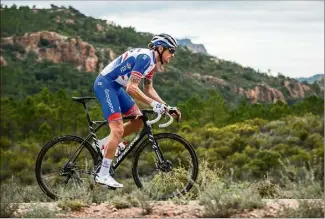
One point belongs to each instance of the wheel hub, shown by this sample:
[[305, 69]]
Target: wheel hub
[[67, 168], [166, 166]]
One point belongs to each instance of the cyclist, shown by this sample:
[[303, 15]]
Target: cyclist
[[126, 71]]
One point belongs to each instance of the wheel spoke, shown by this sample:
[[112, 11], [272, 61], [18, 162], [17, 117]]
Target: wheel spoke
[[175, 176], [55, 156]]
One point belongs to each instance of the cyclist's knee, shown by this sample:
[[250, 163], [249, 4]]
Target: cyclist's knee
[[118, 133], [117, 129]]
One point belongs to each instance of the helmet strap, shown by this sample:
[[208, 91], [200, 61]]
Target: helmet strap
[[160, 56]]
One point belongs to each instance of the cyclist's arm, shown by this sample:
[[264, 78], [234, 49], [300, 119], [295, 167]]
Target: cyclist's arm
[[150, 91], [133, 89], [141, 66]]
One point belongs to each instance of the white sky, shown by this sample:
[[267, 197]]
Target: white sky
[[284, 36]]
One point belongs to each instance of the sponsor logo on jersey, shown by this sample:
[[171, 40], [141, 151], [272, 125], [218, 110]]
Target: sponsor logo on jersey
[[108, 101], [125, 67], [128, 65]]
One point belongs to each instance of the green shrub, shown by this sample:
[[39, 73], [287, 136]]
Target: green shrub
[[250, 151], [36, 211], [120, 202], [314, 140], [221, 200], [238, 159], [224, 151], [143, 201], [238, 145], [270, 159], [13, 47], [301, 158], [71, 204], [267, 189], [14, 192], [303, 135], [306, 209], [7, 207], [311, 190]]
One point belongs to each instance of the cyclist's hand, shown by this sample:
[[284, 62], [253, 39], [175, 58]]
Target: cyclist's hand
[[175, 112], [158, 107]]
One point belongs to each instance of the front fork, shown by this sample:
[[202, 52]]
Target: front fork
[[155, 146]]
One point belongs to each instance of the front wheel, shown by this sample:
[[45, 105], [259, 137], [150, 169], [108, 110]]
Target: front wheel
[[175, 176]]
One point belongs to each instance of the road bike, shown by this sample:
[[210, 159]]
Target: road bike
[[164, 164]]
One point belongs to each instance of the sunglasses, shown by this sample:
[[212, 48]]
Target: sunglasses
[[171, 50]]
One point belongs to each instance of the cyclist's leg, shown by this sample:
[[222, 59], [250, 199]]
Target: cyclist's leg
[[129, 108], [106, 93]]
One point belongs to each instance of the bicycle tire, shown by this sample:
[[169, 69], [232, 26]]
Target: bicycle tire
[[188, 147], [51, 144]]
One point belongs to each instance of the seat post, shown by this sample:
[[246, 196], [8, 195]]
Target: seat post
[[88, 117]]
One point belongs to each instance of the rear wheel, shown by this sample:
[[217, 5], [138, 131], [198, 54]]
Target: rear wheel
[[173, 178], [56, 176]]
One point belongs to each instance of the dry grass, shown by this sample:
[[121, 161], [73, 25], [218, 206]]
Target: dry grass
[[306, 209], [225, 200]]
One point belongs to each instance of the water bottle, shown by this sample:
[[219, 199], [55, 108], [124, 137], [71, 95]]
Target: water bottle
[[101, 144], [120, 148]]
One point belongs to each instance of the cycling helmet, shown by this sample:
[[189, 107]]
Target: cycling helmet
[[164, 40]]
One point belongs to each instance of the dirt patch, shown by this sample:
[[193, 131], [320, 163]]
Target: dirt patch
[[159, 210], [272, 207], [163, 209]]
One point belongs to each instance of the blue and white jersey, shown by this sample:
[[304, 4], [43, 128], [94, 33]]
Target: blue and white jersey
[[139, 62]]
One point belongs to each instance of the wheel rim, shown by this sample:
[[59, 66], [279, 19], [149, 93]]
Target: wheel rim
[[72, 181], [157, 179]]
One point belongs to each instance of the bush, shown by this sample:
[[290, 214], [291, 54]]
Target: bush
[[13, 47], [311, 190], [120, 202], [250, 151], [71, 204], [314, 140], [306, 209], [270, 159], [37, 211], [239, 159], [144, 201], [267, 189], [7, 208], [13, 193], [221, 200]]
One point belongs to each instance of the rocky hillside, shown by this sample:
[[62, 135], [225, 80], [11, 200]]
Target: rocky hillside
[[64, 35], [59, 48], [196, 48]]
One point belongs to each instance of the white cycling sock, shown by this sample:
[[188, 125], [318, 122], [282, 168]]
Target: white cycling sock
[[104, 169]]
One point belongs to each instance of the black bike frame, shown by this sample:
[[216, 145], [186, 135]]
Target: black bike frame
[[147, 130]]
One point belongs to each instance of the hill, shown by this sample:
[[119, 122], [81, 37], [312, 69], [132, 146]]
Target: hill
[[197, 48], [47, 47], [312, 79]]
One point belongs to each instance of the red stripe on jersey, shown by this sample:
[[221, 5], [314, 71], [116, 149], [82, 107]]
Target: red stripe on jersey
[[137, 74], [130, 111], [150, 75], [114, 116], [126, 55]]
